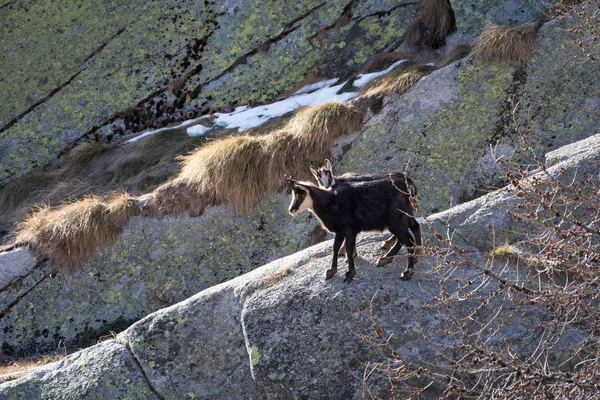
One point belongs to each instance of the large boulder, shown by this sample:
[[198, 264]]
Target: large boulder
[[69, 68], [281, 331]]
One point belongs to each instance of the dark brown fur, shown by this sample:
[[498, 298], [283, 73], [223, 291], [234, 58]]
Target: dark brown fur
[[371, 205]]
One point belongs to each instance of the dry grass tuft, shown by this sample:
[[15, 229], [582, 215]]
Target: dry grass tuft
[[397, 81], [80, 156], [499, 43], [275, 277], [15, 193], [510, 253], [15, 369], [458, 52], [228, 171], [436, 21], [505, 252], [307, 139], [240, 170], [69, 234]]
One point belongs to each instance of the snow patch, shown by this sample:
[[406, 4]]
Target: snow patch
[[245, 117], [362, 79], [317, 85], [198, 130], [256, 116], [183, 124]]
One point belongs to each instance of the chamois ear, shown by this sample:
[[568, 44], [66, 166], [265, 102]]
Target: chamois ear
[[289, 181], [315, 172], [328, 165]]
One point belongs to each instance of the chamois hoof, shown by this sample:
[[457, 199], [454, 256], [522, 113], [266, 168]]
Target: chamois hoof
[[406, 275], [388, 244], [384, 261], [330, 274], [349, 277]]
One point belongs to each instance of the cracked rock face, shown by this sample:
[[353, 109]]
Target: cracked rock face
[[71, 68], [443, 125]]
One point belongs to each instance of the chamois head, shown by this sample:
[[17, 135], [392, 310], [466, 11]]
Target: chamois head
[[324, 175], [301, 198]]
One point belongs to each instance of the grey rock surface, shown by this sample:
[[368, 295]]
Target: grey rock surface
[[281, 331], [153, 264], [15, 264], [106, 371]]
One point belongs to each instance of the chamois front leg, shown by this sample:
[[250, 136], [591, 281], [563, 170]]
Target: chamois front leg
[[337, 243], [350, 251], [411, 255]]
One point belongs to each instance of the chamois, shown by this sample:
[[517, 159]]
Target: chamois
[[363, 206], [326, 179]]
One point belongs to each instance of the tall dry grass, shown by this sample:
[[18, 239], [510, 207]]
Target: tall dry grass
[[500, 43], [80, 156], [239, 170], [398, 81], [436, 21], [70, 234]]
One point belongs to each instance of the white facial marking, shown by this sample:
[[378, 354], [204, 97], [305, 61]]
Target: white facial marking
[[298, 205]]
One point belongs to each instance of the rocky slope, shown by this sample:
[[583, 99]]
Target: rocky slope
[[279, 332], [75, 69], [282, 331], [444, 125]]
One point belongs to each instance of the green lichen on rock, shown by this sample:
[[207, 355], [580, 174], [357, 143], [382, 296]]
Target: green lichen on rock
[[84, 63], [471, 16], [111, 55], [443, 127], [268, 73], [439, 129], [132, 50], [563, 93]]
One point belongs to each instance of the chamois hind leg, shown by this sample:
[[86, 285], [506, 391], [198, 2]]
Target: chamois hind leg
[[337, 243], [350, 249], [343, 251], [389, 243], [400, 230]]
